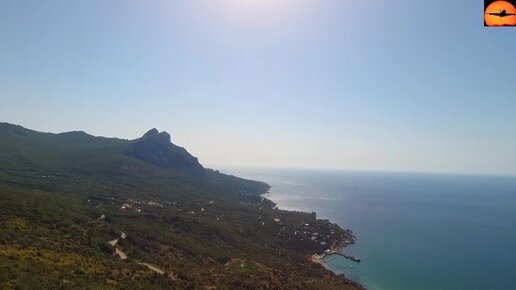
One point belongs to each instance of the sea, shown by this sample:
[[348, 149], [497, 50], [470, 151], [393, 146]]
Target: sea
[[414, 231]]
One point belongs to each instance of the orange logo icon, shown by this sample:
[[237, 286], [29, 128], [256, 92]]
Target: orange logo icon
[[499, 13]]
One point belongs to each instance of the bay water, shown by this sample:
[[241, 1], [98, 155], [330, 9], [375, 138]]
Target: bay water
[[414, 231]]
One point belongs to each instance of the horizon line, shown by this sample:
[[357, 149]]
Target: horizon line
[[220, 167]]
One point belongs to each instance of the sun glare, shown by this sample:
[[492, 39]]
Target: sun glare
[[259, 13]]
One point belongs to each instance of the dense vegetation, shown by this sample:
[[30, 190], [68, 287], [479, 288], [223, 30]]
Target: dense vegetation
[[64, 196]]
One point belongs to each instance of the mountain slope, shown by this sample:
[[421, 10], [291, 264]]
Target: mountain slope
[[64, 196], [20, 144]]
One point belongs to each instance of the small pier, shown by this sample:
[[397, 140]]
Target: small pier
[[353, 258], [329, 253]]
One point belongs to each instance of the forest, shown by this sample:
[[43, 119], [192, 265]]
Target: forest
[[78, 212]]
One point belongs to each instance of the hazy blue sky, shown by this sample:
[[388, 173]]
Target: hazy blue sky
[[386, 84]]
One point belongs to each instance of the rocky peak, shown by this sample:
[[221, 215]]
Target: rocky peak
[[155, 147], [154, 135], [151, 132]]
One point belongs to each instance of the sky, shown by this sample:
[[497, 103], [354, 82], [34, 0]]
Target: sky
[[364, 85]]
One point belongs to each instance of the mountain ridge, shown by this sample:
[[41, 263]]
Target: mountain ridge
[[153, 147], [65, 198]]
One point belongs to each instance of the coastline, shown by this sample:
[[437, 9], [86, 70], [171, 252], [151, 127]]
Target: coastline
[[341, 241]]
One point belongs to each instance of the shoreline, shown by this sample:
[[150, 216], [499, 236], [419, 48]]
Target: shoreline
[[336, 247]]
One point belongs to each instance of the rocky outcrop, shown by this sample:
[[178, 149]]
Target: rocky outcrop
[[156, 148]]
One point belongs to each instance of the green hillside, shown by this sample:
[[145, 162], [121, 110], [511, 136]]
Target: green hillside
[[171, 223]]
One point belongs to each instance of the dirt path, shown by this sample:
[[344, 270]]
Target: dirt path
[[121, 254], [113, 242], [153, 268], [124, 256]]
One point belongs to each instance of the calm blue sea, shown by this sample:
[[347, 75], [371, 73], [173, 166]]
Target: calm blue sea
[[415, 231]]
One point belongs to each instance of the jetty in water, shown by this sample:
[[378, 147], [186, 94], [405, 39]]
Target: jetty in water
[[329, 253]]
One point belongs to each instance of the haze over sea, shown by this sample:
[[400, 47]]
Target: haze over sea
[[415, 231]]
